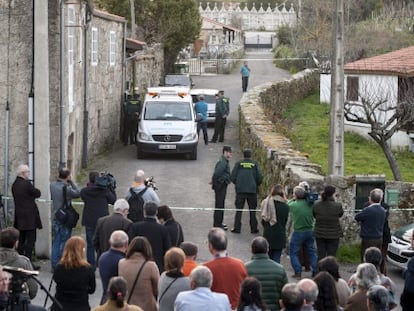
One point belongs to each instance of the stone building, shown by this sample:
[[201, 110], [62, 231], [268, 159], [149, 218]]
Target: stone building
[[51, 117], [268, 19]]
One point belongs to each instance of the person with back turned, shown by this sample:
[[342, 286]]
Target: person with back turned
[[247, 177]]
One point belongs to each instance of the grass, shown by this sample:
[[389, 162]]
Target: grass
[[307, 123], [349, 253]]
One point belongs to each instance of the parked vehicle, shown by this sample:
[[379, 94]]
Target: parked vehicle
[[400, 249], [167, 123], [209, 98], [176, 79]]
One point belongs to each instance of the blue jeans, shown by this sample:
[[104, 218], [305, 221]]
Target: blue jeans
[[307, 240], [90, 250], [61, 234], [275, 254]]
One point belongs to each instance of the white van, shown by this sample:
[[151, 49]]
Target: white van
[[167, 123], [209, 98]]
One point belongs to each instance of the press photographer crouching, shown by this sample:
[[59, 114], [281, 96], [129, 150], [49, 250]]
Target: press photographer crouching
[[99, 192], [9, 239], [13, 293]]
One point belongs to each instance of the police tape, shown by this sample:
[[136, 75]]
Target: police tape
[[79, 203]]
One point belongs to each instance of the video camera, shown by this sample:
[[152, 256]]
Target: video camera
[[106, 180], [311, 197], [149, 182]]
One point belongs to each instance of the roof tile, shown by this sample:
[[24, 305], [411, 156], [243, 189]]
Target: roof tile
[[400, 62]]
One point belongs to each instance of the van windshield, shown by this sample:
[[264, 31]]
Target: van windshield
[[168, 111]]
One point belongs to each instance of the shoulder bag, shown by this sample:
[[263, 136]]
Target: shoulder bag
[[135, 282], [66, 214], [165, 290]]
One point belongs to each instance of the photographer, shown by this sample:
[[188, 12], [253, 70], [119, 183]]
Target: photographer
[[96, 196], [9, 238], [61, 233], [139, 185]]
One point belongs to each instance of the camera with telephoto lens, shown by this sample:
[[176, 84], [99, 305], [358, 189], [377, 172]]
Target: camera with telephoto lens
[[106, 180], [149, 182]]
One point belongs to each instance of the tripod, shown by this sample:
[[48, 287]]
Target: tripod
[[19, 300]]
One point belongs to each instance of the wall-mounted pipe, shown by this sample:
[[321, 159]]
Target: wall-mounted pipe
[[62, 161], [6, 161]]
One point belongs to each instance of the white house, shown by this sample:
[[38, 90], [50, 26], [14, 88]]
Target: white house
[[388, 78]]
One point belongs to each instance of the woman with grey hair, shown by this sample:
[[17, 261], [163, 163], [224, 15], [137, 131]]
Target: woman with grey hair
[[366, 277], [378, 298]]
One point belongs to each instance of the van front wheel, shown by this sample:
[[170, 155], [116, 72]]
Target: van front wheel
[[193, 154]]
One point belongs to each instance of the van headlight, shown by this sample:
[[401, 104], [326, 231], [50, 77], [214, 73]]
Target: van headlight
[[144, 136], [190, 137]]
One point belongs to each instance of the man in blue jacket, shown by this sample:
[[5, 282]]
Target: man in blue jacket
[[372, 219]]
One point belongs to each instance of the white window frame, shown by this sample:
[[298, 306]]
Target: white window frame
[[94, 46], [112, 48], [70, 52]]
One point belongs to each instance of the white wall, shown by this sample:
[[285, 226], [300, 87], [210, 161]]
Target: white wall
[[374, 87]]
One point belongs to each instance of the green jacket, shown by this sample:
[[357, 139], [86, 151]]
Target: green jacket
[[271, 275], [221, 175], [222, 107], [246, 175], [302, 215], [327, 214]]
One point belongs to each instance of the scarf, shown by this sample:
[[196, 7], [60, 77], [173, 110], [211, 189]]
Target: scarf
[[268, 208]]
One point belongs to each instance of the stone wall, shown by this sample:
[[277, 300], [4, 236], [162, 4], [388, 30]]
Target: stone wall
[[15, 72], [259, 110]]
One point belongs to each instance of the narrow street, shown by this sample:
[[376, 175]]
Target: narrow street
[[184, 184]]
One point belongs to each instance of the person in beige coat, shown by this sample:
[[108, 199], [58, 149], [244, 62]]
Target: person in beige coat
[[141, 274]]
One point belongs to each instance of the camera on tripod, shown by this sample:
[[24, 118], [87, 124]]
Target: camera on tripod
[[19, 299]]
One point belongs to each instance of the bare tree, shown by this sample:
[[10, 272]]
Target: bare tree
[[386, 110]]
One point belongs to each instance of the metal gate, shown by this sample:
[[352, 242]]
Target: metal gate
[[259, 40], [202, 66]]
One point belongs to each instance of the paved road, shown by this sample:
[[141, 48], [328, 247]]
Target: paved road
[[183, 184]]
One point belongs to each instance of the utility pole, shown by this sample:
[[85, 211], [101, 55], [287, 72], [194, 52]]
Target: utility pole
[[336, 128], [133, 26]]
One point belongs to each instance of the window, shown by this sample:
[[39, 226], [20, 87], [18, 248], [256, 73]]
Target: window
[[71, 34], [94, 47], [352, 88], [71, 56], [112, 48]]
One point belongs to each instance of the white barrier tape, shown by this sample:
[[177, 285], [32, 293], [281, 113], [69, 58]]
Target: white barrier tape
[[206, 208]]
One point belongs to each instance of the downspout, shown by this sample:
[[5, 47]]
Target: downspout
[[30, 108], [123, 81], [86, 91], [6, 159], [62, 161], [7, 125]]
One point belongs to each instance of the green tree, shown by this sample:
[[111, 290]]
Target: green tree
[[173, 23]]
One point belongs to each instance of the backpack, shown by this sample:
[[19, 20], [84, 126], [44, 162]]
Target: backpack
[[136, 205]]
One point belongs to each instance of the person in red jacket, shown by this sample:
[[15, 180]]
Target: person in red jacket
[[228, 272]]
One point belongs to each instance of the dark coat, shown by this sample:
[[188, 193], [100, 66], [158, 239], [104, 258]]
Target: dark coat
[[156, 234], [176, 232], [104, 228], [73, 287], [26, 213], [96, 204], [276, 234], [246, 175], [407, 296], [327, 214]]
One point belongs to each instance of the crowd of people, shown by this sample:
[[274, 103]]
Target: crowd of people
[[149, 265]]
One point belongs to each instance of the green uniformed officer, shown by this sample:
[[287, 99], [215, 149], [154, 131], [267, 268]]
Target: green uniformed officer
[[247, 177], [219, 182], [222, 112]]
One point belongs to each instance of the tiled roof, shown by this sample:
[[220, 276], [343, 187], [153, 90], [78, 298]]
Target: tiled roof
[[134, 44], [212, 21], [107, 15], [400, 62]]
